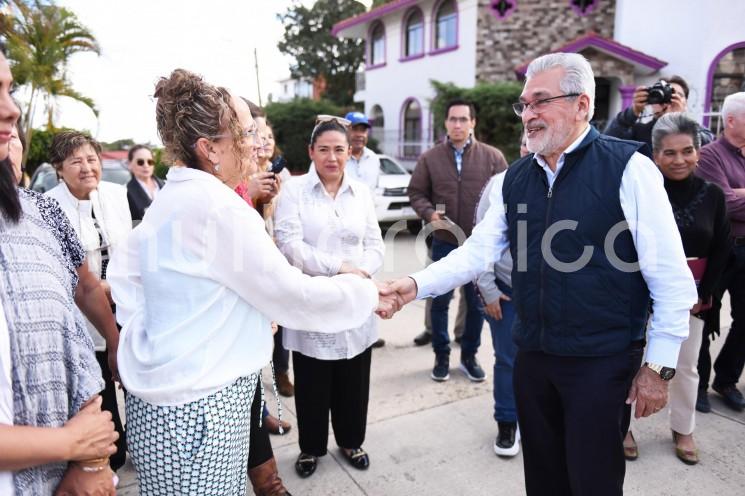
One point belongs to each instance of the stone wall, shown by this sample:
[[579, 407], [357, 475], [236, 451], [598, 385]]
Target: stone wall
[[606, 66], [729, 77], [533, 28]]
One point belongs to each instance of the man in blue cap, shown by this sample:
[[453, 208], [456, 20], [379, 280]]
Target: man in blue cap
[[363, 164]]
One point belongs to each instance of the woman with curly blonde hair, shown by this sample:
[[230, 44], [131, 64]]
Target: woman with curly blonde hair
[[196, 286]]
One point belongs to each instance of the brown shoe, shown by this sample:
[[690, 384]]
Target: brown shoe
[[689, 457], [273, 423], [284, 385], [630, 449], [265, 480]]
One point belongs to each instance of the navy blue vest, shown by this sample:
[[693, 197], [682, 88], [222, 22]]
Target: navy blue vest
[[593, 308]]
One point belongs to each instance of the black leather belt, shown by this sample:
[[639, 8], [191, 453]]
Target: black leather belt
[[738, 241]]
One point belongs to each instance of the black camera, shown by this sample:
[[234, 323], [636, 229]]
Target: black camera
[[278, 164], [660, 92]]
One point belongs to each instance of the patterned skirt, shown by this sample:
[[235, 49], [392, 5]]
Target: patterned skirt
[[200, 448]]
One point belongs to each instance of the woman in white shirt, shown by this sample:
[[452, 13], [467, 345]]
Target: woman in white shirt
[[325, 224], [99, 214], [196, 286]]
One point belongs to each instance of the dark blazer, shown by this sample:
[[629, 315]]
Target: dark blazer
[[138, 199]]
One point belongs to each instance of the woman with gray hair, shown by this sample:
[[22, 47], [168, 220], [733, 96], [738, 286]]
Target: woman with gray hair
[[99, 213], [701, 215]]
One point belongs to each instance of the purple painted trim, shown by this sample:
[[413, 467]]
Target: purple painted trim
[[444, 50], [433, 50], [710, 77], [402, 123], [369, 46], [373, 67], [496, 13], [627, 95], [413, 57], [579, 12], [369, 16], [594, 40], [404, 22]]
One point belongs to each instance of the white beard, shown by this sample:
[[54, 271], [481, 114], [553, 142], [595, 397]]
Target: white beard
[[553, 138]]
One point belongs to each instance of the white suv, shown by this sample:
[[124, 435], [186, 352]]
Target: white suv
[[392, 195]]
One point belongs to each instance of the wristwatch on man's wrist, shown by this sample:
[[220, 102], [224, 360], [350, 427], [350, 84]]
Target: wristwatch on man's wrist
[[665, 373]]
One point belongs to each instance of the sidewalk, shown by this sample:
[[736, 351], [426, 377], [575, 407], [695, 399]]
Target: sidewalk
[[427, 438]]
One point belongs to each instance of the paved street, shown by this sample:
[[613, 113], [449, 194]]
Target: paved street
[[427, 438]]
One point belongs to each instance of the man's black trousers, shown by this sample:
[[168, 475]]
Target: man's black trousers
[[573, 418]]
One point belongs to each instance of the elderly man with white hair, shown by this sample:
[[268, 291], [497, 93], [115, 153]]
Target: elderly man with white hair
[[723, 163], [593, 239]]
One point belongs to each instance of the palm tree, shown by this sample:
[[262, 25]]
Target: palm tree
[[41, 38]]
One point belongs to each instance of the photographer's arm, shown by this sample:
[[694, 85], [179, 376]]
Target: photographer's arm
[[622, 125]]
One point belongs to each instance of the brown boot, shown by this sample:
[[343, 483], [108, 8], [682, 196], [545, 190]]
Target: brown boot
[[284, 385], [265, 480], [273, 424]]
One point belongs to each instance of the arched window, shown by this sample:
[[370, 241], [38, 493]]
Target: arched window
[[377, 122], [376, 47], [412, 127], [445, 25], [413, 34]]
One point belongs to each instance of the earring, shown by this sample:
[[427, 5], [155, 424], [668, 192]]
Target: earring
[[216, 167]]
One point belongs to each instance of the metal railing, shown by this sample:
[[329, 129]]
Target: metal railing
[[715, 122], [392, 143]]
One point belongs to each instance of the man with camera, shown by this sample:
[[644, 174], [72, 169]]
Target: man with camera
[[664, 96]]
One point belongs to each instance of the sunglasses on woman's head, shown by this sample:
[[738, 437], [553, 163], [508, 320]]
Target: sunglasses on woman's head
[[141, 161], [322, 118]]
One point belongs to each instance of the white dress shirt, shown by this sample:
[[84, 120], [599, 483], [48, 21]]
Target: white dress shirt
[[656, 237], [317, 233], [366, 169], [502, 270], [108, 202], [6, 396], [197, 284], [150, 193]]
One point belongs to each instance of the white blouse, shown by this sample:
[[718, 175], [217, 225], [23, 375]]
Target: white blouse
[[317, 232], [196, 285], [150, 194], [6, 396], [108, 202]]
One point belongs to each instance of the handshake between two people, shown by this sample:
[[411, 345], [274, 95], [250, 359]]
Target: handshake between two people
[[392, 295]]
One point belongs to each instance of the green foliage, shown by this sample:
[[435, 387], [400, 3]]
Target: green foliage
[[38, 150], [41, 38], [292, 123], [317, 54], [122, 144], [496, 123], [161, 168]]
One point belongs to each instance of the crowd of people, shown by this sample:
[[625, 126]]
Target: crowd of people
[[598, 260]]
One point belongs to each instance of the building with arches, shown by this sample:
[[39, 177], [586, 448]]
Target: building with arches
[[628, 42]]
